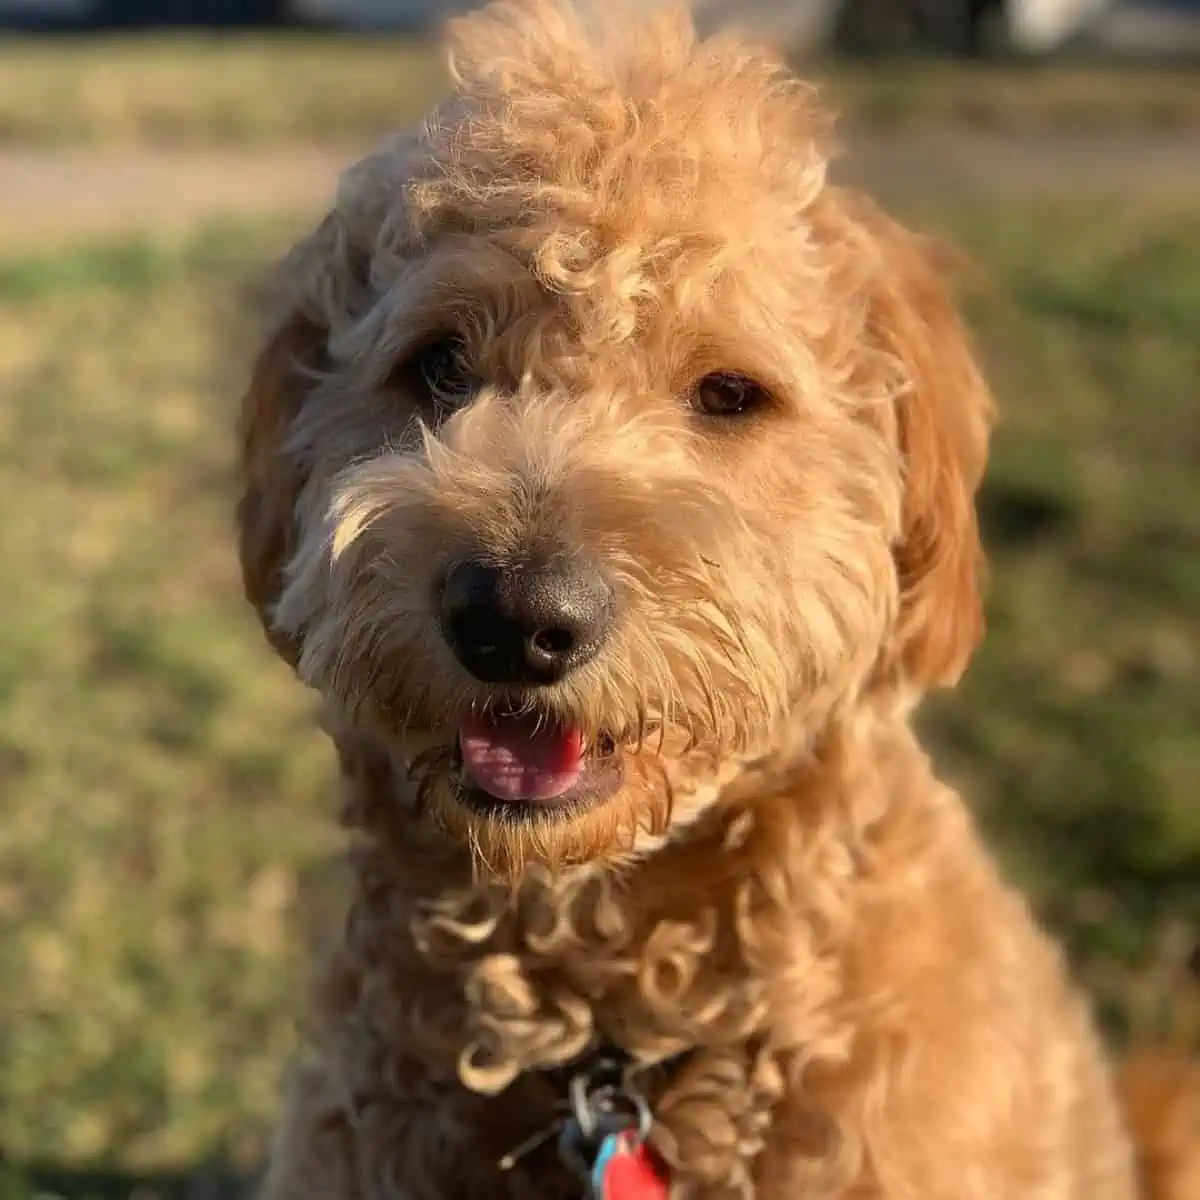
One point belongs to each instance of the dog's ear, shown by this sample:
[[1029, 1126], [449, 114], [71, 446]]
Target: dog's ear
[[943, 416], [322, 288], [270, 482]]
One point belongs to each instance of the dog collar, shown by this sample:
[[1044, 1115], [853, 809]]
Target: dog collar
[[602, 1136]]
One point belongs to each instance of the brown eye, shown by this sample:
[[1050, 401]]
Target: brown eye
[[728, 394], [440, 371]]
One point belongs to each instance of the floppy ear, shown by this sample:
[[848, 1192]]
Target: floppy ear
[[270, 482], [943, 416], [323, 280], [323, 285]]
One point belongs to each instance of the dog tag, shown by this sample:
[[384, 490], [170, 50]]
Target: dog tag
[[625, 1170]]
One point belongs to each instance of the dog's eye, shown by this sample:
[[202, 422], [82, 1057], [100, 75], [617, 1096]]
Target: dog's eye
[[440, 371], [728, 394]]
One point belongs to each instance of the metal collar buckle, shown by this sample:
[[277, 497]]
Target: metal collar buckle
[[601, 1101]]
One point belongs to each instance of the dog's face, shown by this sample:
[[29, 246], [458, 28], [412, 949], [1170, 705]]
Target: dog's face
[[602, 449]]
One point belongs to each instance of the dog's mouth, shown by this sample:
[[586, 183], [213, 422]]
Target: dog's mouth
[[514, 765]]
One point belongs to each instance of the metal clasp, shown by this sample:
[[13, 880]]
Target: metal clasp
[[603, 1103]]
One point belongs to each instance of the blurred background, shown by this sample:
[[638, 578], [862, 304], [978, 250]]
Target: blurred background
[[164, 794]]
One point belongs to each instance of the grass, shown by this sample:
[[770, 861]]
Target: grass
[[1077, 730], [225, 91], [163, 782], [165, 791]]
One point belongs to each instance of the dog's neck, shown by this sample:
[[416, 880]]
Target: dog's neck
[[528, 977]]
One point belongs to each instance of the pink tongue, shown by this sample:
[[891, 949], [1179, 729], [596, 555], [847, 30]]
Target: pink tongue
[[519, 759]]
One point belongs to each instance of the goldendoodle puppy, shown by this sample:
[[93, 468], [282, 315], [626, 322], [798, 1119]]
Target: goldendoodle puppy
[[610, 476]]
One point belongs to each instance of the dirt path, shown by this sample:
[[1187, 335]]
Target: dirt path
[[54, 194], [921, 163], [50, 195]]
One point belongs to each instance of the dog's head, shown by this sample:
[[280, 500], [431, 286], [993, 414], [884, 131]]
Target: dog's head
[[601, 448]]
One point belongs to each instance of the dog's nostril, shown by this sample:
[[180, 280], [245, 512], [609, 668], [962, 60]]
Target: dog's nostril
[[531, 623], [553, 641]]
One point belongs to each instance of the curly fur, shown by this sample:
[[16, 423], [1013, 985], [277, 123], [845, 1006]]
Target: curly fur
[[604, 212]]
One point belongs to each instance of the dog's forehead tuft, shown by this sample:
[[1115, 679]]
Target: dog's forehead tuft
[[631, 121], [523, 47]]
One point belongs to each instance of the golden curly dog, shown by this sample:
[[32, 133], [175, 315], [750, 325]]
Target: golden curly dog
[[610, 476]]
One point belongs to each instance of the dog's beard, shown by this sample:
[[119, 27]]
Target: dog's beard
[[665, 782], [666, 728], [504, 846], [679, 726]]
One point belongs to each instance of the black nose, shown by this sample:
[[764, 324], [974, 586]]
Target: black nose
[[528, 623]]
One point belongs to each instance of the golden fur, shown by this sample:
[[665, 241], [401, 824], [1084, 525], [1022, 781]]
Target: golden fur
[[603, 213]]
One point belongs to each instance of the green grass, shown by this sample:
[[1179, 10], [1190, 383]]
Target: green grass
[[249, 90], [166, 792], [163, 782], [1078, 727]]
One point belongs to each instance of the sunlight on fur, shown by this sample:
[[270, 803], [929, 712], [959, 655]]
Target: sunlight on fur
[[611, 477]]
